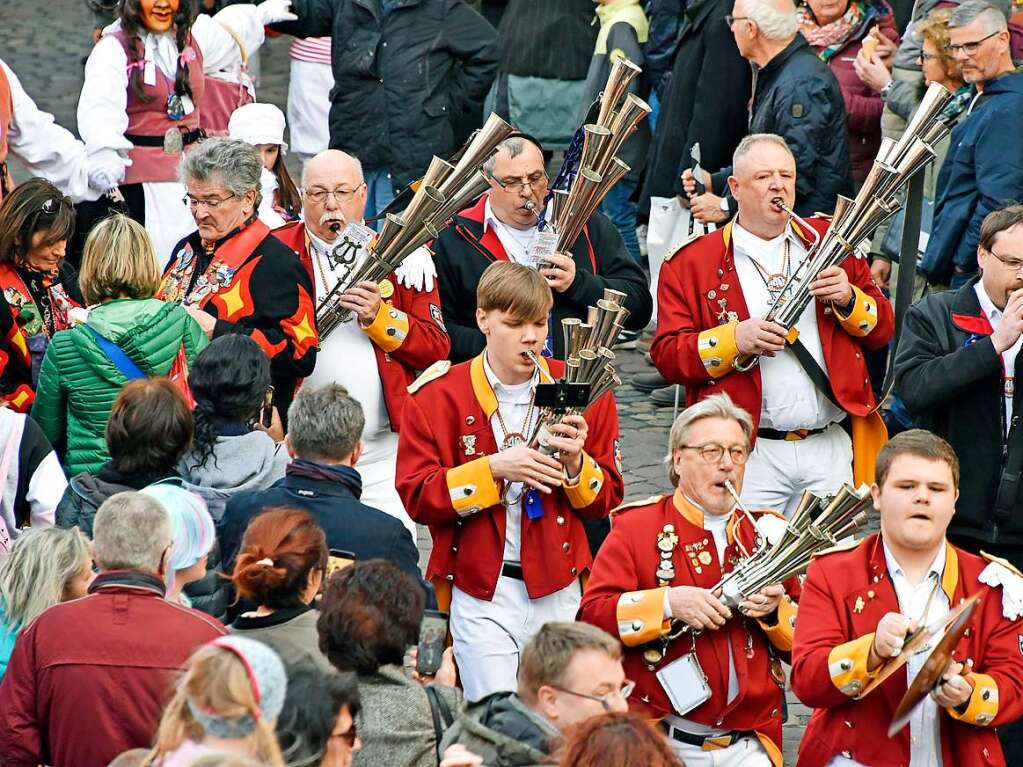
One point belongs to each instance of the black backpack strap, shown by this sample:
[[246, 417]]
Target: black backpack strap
[[441, 713], [812, 369]]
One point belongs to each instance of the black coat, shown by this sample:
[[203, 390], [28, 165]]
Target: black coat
[[463, 251], [797, 97], [950, 376], [349, 524], [704, 100], [400, 80]]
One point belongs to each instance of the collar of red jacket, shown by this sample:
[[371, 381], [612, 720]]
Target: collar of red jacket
[[475, 213], [949, 578], [135, 580]]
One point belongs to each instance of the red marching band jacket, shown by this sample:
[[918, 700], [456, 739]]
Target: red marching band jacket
[[408, 333], [625, 597], [700, 302], [845, 595], [444, 480]]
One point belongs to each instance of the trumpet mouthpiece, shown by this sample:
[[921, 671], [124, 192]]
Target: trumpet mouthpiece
[[335, 226], [779, 203]]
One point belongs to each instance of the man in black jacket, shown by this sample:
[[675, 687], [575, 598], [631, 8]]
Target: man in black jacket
[[403, 71], [502, 226], [796, 96], [324, 441], [955, 370]]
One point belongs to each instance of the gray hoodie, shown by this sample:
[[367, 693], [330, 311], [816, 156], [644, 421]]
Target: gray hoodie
[[250, 461]]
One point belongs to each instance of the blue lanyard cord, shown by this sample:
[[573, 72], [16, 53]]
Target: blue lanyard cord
[[567, 173]]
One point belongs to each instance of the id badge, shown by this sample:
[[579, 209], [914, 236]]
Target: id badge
[[542, 247], [685, 684], [358, 234]]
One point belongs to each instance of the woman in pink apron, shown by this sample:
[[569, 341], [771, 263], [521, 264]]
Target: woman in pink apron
[[140, 107]]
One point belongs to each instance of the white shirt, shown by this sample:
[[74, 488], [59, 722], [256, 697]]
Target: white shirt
[[994, 316], [513, 402], [790, 400], [347, 355], [517, 243]]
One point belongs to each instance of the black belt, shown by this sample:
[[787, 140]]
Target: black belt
[[707, 742], [189, 137], [512, 571], [790, 436]]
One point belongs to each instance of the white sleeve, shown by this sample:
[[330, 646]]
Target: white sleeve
[[45, 148], [220, 51], [45, 489], [103, 106]]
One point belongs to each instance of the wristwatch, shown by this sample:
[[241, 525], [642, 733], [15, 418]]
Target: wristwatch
[[886, 90]]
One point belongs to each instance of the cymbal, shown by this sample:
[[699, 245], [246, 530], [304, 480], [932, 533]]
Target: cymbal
[[915, 643], [936, 664]]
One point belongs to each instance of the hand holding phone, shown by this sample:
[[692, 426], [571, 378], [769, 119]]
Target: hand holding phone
[[433, 635]]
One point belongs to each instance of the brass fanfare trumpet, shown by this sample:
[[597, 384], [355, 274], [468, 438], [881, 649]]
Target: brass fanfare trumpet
[[445, 189], [855, 220]]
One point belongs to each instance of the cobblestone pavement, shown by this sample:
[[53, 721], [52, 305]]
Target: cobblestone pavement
[[45, 42]]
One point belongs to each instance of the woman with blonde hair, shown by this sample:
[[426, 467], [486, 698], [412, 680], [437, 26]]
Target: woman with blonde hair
[[128, 334], [46, 566], [227, 701]]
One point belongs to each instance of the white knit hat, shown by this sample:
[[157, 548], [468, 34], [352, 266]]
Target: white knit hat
[[258, 123]]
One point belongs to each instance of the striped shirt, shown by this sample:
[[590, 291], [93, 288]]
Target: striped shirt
[[314, 49]]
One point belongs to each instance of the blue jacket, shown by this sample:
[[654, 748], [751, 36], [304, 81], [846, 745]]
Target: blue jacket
[[982, 172]]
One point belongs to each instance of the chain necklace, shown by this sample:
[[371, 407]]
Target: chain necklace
[[513, 491], [775, 282]]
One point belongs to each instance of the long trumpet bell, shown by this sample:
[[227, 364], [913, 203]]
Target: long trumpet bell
[[483, 144], [623, 72]]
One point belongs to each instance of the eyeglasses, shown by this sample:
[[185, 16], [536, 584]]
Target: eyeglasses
[[713, 452], [319, 196], [730, 19], [51, 205], [1012, 263], [930, 56], [213, 203], [969, 48], [603, 700], [517, 185]]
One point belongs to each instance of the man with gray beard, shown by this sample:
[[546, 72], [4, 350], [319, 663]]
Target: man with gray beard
[[396, 329]]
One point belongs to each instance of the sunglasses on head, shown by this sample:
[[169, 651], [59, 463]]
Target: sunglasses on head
[[52, 205]]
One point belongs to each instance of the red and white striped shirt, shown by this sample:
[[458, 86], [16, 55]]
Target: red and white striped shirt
[[314, 49]]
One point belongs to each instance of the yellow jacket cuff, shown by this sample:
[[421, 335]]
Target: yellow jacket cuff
[[641, 616], [586, 487], [718, 349], [472, 487], [862, 317], [389, 328], [780, 634], [847, 664], [982, 707]]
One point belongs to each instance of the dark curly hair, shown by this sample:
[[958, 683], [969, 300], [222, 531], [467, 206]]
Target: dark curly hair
[[22, 216], [370, 613], [133, 26], [295, 546], [229, 379], [311, 707]]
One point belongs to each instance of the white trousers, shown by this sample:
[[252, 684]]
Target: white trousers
[[488, 636], [308, 107], [168, 219], [377, 474], [746, 753], [778, 471]]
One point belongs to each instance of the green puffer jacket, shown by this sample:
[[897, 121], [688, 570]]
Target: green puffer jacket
[[78, 383]]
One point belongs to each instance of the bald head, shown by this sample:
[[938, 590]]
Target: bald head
[[333, 193]]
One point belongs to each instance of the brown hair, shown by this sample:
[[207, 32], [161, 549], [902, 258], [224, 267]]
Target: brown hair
[[134, 28], [920, 443], [997, 221], [369, 614], [150, 427], [617, 740], [935, 29], [22, 216], [515, 289], [287, 193], [216, 680], [118, 260], [550, 651], [294, 545]]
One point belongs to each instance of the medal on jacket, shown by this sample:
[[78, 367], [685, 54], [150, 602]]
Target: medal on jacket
[[175, 107], [667, 540]]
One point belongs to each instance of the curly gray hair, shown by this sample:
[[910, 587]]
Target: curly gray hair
[[235, 163]]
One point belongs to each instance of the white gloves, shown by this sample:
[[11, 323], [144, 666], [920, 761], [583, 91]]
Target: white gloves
[[273, 11], [103, 178], [418, 271], [995, 575]]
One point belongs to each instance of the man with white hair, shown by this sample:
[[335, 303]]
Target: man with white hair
[[983, 170], [88, 679], [712, 299], [796, 96], [397, 328], [657, 572]]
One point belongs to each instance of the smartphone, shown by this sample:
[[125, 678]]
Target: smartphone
[[338, 560], [433, 636], [266, 414]]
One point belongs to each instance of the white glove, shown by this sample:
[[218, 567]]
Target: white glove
[[103, 179], [417, 272], [995, 575], [273, 11]]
